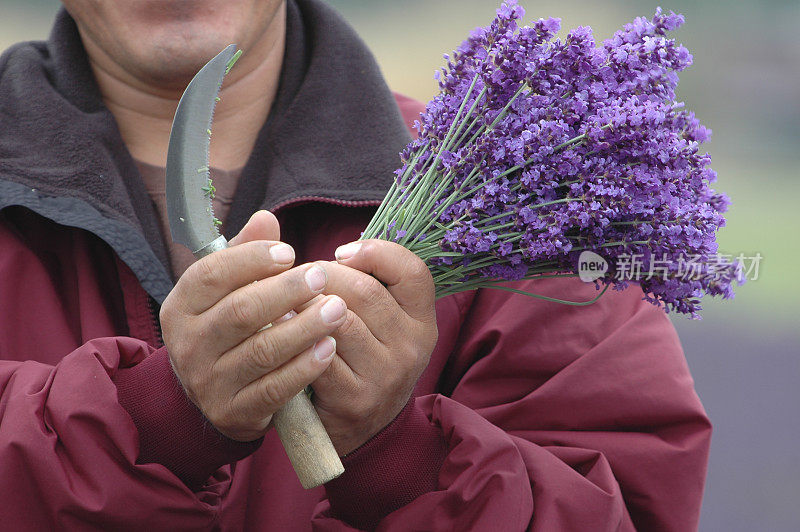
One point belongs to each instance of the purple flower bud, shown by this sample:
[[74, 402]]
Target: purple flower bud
[[594, 153]]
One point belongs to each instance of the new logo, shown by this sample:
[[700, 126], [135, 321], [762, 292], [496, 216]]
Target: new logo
[[591, 266]]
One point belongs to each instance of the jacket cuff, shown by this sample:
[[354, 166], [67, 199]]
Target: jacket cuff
[[390, 470], [172, 430]]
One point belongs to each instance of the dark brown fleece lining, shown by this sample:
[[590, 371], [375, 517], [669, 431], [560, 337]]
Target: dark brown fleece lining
[[334, 131]]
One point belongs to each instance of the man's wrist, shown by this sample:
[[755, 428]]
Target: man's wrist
[[394, 467], [172, 430]]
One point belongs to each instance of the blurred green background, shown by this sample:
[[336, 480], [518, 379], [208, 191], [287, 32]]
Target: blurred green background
[[743, 85]]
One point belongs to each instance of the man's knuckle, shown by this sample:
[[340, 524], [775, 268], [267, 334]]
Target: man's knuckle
[[242, 311], [264, 349], [349, 327], [370, 289], [211, 272], [271, 391], [418, 271]]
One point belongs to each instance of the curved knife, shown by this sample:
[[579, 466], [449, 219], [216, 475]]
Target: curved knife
[[192, 223]]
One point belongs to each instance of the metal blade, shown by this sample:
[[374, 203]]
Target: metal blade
[[191, 218]]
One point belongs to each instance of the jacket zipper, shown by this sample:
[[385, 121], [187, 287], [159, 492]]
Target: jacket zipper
[[153, 307], [322, 199]]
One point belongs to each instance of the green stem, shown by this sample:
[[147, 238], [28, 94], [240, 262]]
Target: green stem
[[497, 286]]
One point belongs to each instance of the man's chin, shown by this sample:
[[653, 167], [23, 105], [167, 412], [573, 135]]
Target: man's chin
[[173, 63]]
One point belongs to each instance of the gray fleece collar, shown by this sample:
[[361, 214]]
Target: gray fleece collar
[[334, 132]]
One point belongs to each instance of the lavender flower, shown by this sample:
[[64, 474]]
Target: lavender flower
[[537, 149]]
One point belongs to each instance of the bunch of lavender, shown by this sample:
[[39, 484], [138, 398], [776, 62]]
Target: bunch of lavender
[[537, 149]]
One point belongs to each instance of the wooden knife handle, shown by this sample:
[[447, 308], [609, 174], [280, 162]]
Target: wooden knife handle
[[298, 425], [308, 445]]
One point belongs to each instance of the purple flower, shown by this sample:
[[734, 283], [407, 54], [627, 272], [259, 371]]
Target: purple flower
[[537, 148]]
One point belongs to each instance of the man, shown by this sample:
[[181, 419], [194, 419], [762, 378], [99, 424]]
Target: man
[[482, 411]]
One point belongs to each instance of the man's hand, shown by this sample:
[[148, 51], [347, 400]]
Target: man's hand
[[237, 374], [384, 344]]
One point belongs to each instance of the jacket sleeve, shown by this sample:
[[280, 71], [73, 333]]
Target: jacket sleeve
[[85, 444], [550, 417]]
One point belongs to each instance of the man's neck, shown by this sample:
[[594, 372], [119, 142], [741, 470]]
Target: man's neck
[[144, 112]]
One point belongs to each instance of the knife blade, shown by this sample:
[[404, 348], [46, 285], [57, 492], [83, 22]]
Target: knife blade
[[192, 223], [191, 216]]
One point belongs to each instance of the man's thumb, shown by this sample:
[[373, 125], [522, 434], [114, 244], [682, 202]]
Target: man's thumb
[[261, 226]]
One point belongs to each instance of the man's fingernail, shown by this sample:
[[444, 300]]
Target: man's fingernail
[[286, 317], [282, 253], [347, 251], [324, 349], [316, 279], [333, 309]]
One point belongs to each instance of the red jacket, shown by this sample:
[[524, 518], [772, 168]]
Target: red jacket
[[531, 415]]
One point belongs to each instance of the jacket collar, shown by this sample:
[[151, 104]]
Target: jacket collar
[[333, 133], [335, 130]]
